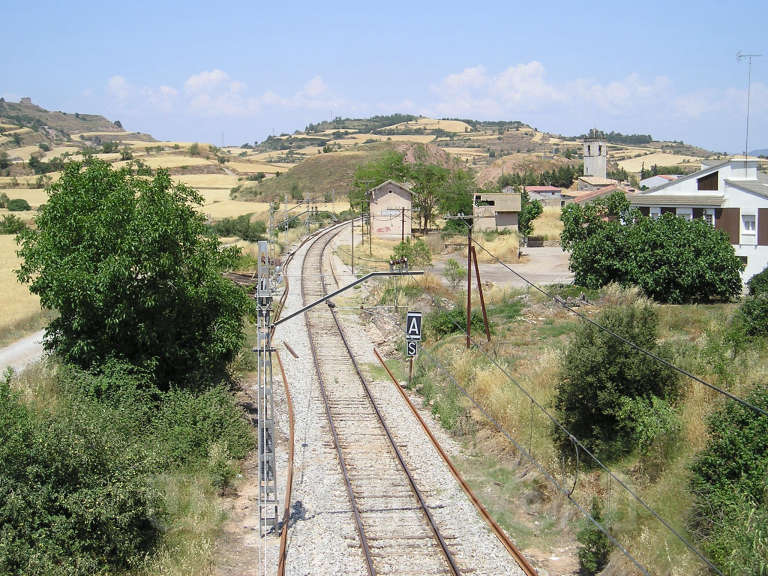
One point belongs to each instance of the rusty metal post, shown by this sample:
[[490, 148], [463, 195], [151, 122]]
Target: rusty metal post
[[480, 290], [469, 284]]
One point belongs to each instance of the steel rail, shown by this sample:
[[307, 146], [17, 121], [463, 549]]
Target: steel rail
[[505, 540], [422, 502]]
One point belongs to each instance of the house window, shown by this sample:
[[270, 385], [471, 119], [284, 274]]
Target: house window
[[390, 212], [686, 213], [655, 212], [709, 216], [708, 182], [748, 227]]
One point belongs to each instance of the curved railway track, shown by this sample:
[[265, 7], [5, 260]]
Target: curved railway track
[[396, 530]]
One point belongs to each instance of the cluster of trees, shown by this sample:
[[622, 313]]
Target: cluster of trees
[[671, 259], [562, 177], [618, 137], [146, 330], [243, 227], [40, 167], [436, 190], [654, 170]]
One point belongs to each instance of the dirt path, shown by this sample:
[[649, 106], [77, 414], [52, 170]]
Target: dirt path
[[22, 352]]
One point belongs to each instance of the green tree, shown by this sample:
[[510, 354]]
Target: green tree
[[595, 546], [670, 258], [390, 167], [4, 160], [128, 264], [600, 374], [417, 251], [11, 224], [529, 211], [729, 482], [429, 181]]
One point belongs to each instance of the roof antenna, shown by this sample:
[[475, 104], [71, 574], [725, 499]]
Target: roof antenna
[[740, 57]]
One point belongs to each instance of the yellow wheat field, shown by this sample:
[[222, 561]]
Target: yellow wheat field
[[24, 152], [214, 195], [659, 159], [456, 126], [252, 167], [207, 180], [173, 161], [18, 303]]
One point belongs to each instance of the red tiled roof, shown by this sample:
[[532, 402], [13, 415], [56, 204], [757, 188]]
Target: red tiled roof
[[542, 189], [599, 193]]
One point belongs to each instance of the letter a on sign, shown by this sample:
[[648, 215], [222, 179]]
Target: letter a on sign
[[413, 326]]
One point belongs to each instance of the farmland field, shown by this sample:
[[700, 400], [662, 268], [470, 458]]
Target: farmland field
[[18, 304], [207, 180], [659, 159], [35, 196]]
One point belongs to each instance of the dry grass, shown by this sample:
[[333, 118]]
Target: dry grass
[[456, 126], [35, 196], [26, 215], [57, 151], [207, 180], [504, 246], [659, 159], [24, 152], [253, 167], [174, 161], [19, 305], [232, 209], [548, 225], [196, 514]]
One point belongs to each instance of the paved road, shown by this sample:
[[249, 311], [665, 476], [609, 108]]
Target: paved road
[[546, 265], [22, 352]]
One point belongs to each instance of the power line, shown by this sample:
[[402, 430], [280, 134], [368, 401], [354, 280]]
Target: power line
[[580, 445], [530, 457], [640, 349]]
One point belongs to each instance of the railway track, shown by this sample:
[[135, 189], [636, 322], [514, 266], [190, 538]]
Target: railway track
[[396, 530]]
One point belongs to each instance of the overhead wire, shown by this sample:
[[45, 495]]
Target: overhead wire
[[580, 445], [521, 449]]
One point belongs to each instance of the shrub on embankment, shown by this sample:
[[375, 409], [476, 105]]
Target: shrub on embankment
[[78, 471]]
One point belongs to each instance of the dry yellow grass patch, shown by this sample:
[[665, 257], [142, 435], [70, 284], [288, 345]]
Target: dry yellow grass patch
[[232, 209], [504, 246], [35, 196], [175, 161], [26, 215], [207, 180], [456, 126], [252, 167], [19, 131], [548, 224], [18, 304], [360, 138], [659, 159], [57, 151], [213, 195], [538, 137], [24, 152]]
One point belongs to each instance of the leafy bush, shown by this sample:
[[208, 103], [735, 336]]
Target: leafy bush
[[417, 251], [595, 546], [189, 423], [11, 224], [670, 258], [454, 272], [74, 496], [758, 284], [442, 322], [600, 375], [655, 428], [18, 205], [128, 264], [730, 485], [753, 315], [242, 227]]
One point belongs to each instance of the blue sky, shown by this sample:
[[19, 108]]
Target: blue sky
[[243, 70]]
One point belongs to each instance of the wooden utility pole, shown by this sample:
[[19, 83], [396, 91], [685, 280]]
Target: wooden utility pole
[[469, 284], [480, 290], [402, 225]]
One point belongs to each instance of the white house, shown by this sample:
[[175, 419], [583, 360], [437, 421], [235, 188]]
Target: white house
[[731, 195]]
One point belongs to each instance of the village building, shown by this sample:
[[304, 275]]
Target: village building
[[729, 195], [655, 181], [547, 195], [587, 196], [496, 210], [390, 208], [590, 183]]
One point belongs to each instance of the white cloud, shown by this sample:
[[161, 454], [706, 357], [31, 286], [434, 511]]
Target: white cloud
[[206, 81]]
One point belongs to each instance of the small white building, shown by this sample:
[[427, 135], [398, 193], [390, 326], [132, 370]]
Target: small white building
[[496, 210], [731, 195], [390, 206]]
